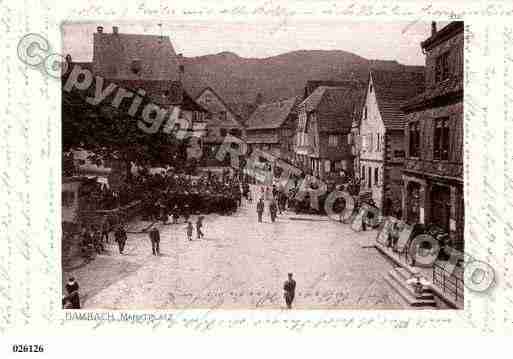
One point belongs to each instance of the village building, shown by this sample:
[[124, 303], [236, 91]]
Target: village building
[[271, 128], [433, 169], [146, 64], [354, 138], [222, 120], [381, 131], [322, 146]]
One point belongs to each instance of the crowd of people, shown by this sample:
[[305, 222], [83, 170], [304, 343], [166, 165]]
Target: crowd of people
[[171, 196]]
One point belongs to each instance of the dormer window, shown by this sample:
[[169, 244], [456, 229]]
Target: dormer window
[[136, 66]]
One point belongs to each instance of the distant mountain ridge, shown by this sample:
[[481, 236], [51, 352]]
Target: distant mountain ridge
[[239, 80]]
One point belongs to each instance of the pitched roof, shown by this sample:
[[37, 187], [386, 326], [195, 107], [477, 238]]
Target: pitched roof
[[160, 92], [336, 105], [118, 56], [393, 89], [244, 110], [271, 115], [311, 85], [226, 106]]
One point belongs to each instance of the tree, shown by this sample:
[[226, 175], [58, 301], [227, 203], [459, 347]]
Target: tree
[[110, 134]]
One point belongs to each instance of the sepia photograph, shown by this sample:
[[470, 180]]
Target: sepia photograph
[[236, 165]]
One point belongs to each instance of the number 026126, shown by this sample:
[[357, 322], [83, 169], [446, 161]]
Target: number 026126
[[27, 348]]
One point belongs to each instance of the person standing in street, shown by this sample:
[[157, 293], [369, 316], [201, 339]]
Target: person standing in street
[[175, 214], [199, 225], [120, 238], [72, 299], [289, 289], [273, 210], [189, 231], [260, 209], [105, 230], [97, 240], [155, 241]]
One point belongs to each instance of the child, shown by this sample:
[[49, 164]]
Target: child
[[189, 230]]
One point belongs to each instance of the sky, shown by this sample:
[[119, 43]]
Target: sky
[[373, 40]]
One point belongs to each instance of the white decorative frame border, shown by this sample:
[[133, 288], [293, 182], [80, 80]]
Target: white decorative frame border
[[30, 165]]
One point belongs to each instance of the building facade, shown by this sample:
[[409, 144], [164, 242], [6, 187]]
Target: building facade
[[149, 66], [381, 134], [222, 120], [433, 169], [271, 128], [322, 144]]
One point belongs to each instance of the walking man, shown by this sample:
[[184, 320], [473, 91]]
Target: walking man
[[105, 230], [199, 225], [189, 231], [155, 241], [120, 238], [260, 209], [273, 210], [289, 291]]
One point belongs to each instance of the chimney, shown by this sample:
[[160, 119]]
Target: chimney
[[115, 30], [433, 28], [99, 29]]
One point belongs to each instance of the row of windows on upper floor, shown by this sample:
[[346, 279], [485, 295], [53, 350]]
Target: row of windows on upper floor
[[441, 139], [334, 140], [223, 132]]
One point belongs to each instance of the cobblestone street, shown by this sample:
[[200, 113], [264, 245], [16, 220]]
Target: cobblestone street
[[241, 263]]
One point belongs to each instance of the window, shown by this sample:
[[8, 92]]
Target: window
[[370, 88], [370, 177], [363, 174], [327, 166], [136, 66], [223, 132], [414, 139], [235, 132], [441, 139], [333, 140], [365, 113], [376, 176], [399, 153], [442, 67], [378, 142], [222, 115]]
